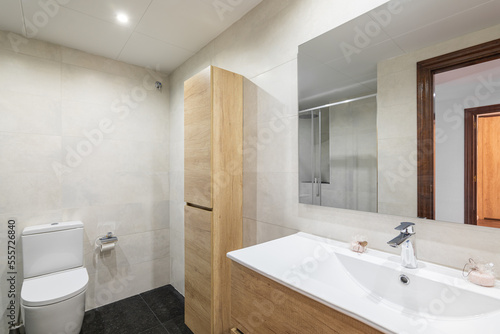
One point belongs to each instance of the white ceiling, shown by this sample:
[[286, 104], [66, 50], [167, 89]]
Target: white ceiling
[[324, 74], [160, 34]]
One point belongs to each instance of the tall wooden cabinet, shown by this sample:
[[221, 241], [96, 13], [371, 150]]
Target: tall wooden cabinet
[[213, 167]]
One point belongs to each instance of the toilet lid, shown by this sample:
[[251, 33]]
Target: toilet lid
[[53, 288]]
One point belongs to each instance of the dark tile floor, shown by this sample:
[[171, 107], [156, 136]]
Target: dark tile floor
[[159, 311]]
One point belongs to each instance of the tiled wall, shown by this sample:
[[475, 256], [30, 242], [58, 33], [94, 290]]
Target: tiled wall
[[263, 47], [353, 156], [86, 138]]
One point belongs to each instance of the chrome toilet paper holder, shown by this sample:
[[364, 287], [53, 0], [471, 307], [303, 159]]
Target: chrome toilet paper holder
[[108, 238]]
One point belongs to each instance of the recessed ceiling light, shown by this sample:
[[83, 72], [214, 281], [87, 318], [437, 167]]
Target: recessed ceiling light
[[122, 18]]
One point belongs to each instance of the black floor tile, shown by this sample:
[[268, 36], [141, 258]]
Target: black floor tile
[[130, 315], [177, 326], [165, 302], [135, 315], [92, 322], [156, 330]]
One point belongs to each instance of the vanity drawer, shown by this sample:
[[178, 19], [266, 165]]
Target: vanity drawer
[[259, 305]]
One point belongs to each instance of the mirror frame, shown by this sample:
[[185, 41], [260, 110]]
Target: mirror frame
[[425, 119]]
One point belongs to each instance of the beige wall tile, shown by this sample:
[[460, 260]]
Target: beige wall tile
[[276, 145], [397, 174], [406, 82], [28, 46], [30, 75], [28, 152], [27, 113], [145, 246], [249, 232], [81, 84], [53, 101], [177, 262], [267, 232], [107, 286], [397, 121], [98, 63], [29, 191]]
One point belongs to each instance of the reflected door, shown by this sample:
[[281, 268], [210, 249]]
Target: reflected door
[[314, 158], [482, 166], [488, 177]]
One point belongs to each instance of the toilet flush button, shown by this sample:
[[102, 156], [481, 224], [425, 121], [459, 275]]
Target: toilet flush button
[[54, 224]]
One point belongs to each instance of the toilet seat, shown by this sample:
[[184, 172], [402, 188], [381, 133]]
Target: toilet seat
[[54, 288]]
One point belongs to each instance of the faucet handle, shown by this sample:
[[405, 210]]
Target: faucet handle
[[405, 227]]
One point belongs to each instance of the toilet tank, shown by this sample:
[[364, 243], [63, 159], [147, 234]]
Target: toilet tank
[[52, 247]]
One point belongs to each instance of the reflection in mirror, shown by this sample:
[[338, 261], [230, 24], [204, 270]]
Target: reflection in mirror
[[314, 162], [454, 92], [338, 155], [458, 107], [377, 53]]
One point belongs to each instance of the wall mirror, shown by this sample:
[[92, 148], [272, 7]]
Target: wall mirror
[[352, 153]]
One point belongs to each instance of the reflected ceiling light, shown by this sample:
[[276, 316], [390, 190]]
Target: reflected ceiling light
[[123, 18]]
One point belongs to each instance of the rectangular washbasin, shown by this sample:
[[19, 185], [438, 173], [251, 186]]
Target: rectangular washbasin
[[374, 288]]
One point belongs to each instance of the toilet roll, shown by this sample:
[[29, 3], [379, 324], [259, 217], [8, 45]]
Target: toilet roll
[[107, 247]]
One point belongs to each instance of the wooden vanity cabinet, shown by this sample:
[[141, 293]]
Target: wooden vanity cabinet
[[213, 168], [263, 306]]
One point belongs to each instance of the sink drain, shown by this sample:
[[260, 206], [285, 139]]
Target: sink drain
[[404, 279]]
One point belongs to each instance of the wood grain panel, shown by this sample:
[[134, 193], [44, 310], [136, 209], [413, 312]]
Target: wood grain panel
[[197, 245], [488, 223], [470, 167], [479, 171], [425, 143], [227, 186], [262, 306], [197, 139], [489, 162], [213, 160]]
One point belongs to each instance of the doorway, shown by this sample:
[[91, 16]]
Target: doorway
[[426, 133], [482, 166]]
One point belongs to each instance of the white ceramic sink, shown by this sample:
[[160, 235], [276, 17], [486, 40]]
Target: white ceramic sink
[[417, 294], [369, 287]]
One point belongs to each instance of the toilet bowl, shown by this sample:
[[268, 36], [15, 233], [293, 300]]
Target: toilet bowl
[[55, 281]]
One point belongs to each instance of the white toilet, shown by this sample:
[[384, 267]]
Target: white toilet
[[55, 281]]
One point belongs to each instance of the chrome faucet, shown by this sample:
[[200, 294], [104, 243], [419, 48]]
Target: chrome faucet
[[406, 240]]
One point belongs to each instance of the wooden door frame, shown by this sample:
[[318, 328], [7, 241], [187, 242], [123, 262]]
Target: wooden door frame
[[426, 70], [470, 159]]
